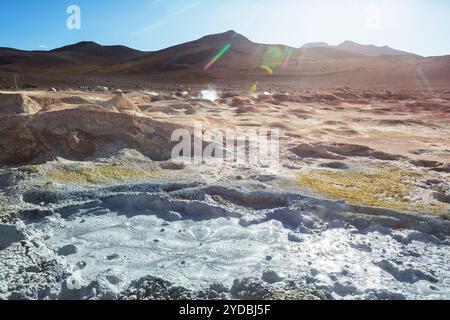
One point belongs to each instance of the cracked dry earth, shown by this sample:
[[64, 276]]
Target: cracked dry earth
[[359, 208]]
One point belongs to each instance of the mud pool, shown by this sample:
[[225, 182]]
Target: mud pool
[[194, 243]]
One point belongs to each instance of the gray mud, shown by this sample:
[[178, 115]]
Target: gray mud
[[168, 240]]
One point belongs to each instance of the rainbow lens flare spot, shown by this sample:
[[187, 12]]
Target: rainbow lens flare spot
[[218, 56], [269, 70]]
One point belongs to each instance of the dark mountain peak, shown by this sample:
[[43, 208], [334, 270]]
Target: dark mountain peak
[[230, 32], [229, 35], [92, 50], [87, 44], [83, 45]]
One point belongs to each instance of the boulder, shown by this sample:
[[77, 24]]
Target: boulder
[[67, 250], [76, 134], [271, 277], [12, 103], [10, 234], [122, 103]]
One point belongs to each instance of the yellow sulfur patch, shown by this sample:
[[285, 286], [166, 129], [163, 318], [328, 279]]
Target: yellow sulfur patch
[[386, 188], [103, 174]]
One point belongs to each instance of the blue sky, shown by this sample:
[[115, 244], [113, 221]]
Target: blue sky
[[419, 26]]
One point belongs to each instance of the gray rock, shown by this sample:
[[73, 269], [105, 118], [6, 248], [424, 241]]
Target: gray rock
[[264, 178], [152, 288], [431, 182], [35, 214], [10, 234], [248, 288], [169, 165], [442, 196], [293, 237], [255, 289], [112, 257], [271, 277], [218, 287], [405, 275], [67, 250], [114, 279], [286, 216]]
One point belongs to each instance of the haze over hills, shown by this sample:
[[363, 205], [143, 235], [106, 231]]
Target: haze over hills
[[225, 57], [315, 45], [370, 50]]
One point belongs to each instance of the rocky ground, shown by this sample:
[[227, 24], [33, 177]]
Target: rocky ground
[[92, 207]]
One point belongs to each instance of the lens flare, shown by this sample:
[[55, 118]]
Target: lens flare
[[269, 70], [218, 56], [287, 56], [273, 56]]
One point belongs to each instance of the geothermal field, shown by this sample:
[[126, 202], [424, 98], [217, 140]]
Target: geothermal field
[[93, 206], [133, 175]]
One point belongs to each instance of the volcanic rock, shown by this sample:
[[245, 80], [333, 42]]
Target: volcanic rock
[[17, 104], [79, 133], [9, 234], [122, 103]]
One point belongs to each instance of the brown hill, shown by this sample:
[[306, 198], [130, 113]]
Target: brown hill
[[95, 50], [243, 56], [237, 58]]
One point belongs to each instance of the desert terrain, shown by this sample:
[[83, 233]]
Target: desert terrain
[[92, 205]]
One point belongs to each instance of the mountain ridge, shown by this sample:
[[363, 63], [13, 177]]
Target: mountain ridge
[[228, 35], [224, 56], [371, 50]]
